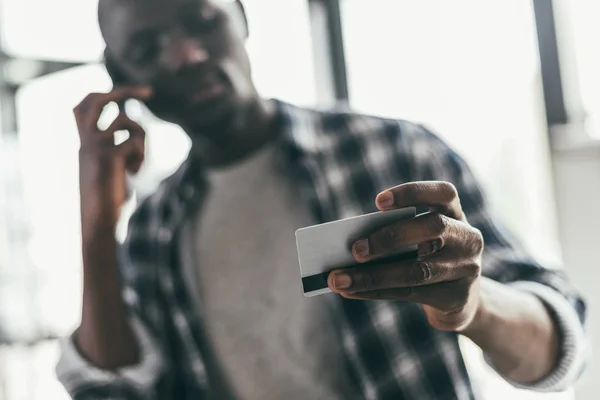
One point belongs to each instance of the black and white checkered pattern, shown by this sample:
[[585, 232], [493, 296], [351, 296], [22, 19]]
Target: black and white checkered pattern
[[340, 161]]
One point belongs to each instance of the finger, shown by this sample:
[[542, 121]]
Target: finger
[[133, 150], [95, 101], [443, 296], [461, 243], [89, 109], [430, 227], [400, 294], [123, 122], [107, 137], [121, 105], [440, 196], [118, 95], [398, 275]]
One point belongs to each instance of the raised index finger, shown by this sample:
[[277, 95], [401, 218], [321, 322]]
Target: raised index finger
[[439, 196]]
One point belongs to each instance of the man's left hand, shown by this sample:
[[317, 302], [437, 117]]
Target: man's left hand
[[445, 276]]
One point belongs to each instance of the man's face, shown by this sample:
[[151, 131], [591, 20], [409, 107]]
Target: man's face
[[191, 52]]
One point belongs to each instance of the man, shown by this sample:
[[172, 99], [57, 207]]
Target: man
[[204, 301]]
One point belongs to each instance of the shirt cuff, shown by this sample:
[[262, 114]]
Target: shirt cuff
[[573, 341], [76, 373]]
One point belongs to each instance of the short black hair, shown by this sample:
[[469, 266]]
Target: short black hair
[[103, 6]]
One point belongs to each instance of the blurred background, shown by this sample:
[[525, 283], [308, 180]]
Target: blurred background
[[513, 85]]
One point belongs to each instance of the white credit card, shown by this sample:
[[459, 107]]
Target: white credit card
[[324, 247]]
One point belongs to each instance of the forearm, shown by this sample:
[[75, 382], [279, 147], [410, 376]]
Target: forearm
[[516, 332], [104, 337]]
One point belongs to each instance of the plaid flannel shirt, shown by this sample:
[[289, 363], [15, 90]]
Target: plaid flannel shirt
[[340, 160]]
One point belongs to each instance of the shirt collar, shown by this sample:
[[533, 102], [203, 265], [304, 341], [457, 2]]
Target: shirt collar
[[298, 137], [300, 127]]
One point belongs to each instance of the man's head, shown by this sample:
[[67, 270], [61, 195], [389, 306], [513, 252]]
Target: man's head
[[191, 52]]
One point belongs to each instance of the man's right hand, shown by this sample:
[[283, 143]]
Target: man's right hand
[[102, 164], [105, 337]]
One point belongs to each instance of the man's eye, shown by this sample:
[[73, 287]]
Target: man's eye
[[146, 52], [202, 23]]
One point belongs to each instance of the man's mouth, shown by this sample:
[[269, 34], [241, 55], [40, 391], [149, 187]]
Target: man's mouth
[[194, 99], [206, 93]]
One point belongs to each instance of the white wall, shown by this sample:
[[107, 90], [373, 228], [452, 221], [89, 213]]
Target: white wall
[[577, 176]]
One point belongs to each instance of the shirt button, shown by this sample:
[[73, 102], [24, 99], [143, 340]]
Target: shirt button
[[129, 296]]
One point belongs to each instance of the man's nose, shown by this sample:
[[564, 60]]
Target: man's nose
[[185, 52]]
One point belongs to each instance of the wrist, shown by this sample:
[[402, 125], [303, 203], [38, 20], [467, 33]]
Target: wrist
[[94, 232], [93, 228], [482, 320]]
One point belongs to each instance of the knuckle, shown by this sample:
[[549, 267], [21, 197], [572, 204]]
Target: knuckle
[[451, 190], [85, 103], [448, 194], [415, 190], [368, 280], [478, 241], [473, 270], [121, 118], [438, 223], [420, 273], [119, 122], [136, 137], [77, 110], [90, 99], [388, 237]]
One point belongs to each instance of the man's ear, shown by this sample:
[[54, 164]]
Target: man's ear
[[117, 77]]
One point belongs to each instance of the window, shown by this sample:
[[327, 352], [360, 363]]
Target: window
[[60, 30], [66, 30], [470, 71], [280, 49]]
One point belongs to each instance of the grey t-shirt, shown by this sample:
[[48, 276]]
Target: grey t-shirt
[[267, 340]]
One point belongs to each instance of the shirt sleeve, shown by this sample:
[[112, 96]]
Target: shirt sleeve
[[504, 261], [83, 380], [573, 344]]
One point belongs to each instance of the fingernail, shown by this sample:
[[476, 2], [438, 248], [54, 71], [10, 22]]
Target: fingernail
[[361, 248], [385, 199], [342, 281]]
